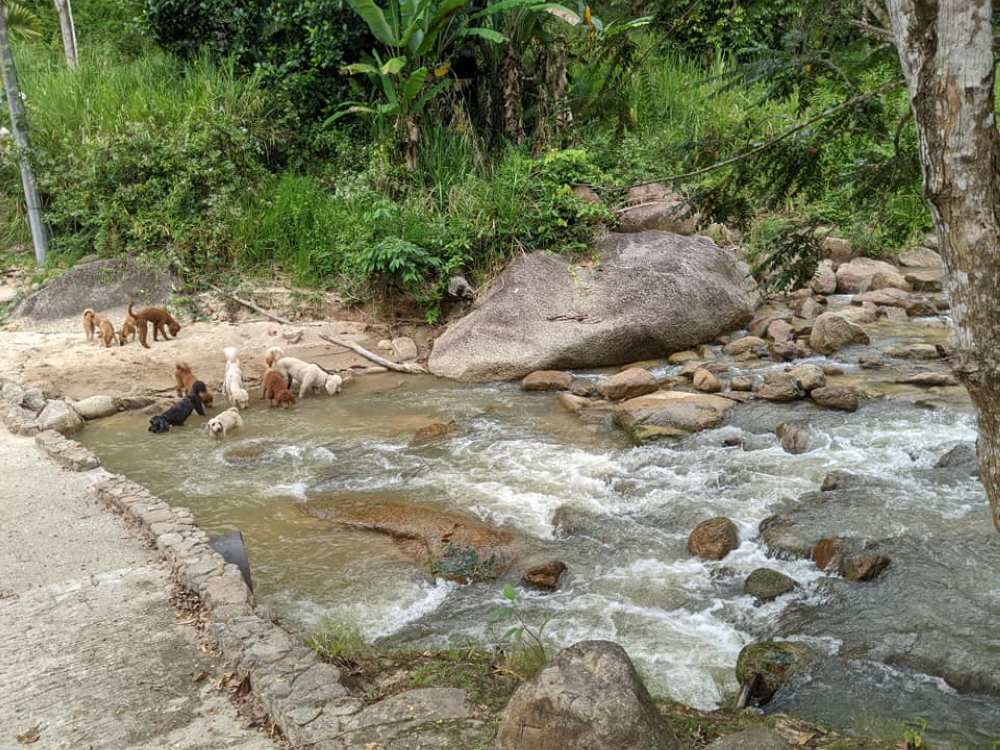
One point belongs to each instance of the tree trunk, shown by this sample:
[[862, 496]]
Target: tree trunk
[[68, 29], [19, 126], [946, 50]]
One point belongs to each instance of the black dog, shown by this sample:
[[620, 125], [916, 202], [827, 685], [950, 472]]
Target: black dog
[[179, 412]]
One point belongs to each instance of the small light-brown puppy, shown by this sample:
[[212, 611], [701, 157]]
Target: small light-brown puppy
[[128, 330], [275, 390], [185, 383], [223, 423], [158, 317], [95, 323]]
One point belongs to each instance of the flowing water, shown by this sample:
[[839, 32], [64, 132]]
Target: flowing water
[[921, 640]]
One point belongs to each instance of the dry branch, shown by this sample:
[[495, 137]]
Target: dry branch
[[252, 306], [411, 368]]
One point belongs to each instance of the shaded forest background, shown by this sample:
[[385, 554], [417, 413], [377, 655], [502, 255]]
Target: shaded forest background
[[379, 148]]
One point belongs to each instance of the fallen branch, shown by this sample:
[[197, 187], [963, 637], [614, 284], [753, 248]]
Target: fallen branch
[[251, 305], [411, 368]]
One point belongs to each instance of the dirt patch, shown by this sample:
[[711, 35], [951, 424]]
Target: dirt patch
[[55, 356]]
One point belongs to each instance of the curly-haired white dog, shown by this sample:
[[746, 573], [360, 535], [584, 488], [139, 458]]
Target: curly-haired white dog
[[225, 422], [308, 375], [232, 382]]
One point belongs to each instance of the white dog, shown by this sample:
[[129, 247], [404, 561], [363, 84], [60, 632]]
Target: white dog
[[232, 383], [308, 375], [225, 422]]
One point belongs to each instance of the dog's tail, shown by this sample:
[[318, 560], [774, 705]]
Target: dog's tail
[[89, 312], [231, 353], [182, 367], [131, 302], [274, 353]]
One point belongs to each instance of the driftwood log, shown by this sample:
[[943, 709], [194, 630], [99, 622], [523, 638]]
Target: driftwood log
[[411, 368], [252, 306]]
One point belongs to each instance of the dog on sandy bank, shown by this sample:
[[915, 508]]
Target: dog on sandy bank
[[224, 422], [232, 381], [178, 413], [94, 322], [185, 382], [158, 317], [308, 375], [128, 330], [275, 390]]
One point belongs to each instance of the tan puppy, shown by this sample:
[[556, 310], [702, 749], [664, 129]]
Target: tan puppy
[[224, 422], [89, 323], [185, 380], [106, 330], [128, 330]]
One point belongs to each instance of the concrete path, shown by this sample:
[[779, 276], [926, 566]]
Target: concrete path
[[92, 653]]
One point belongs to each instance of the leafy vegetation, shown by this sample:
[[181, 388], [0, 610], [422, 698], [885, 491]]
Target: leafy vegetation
[[379, 149]]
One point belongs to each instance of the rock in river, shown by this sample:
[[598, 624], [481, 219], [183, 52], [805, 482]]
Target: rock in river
[[652, 293], [671, 414]]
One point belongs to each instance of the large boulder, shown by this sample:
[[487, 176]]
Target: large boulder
[[589, 697], [833, 331], [99, 285], [856, 276], [454, 545], [651, 294], [671, 414]]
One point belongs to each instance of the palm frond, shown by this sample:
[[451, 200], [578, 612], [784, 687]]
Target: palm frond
[[22, 22]]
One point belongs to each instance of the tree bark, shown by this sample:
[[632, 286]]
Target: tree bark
[[19, 126], [946, 50], [68, 29]]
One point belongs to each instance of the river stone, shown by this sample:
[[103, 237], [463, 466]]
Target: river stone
[[671, 414], [962, 457], [871, 361], [843, 397], [544, 576], [828, 554], [12, 393], [631, 383], [833, 331], [741, 383], [454, 545], [433, 431], [919, 308], [864, 566], [781, 387], [751, 739], [767, 584], [653, 293], [783, 351], [683, 357], [405, 349], [547, 380], [742, 345], [770, 665], [666, 215], [252, 453], [460, 288], [825, 279], [784, 539], [888, 297], [920, 257], [100, 285], [34, 400], [60, 416], [835, 249], [705, 381], [810, 377], [780, 330], [888, 280], [713, 539], [926, 281], [856, 276], [588, 697], [794, 438], [96, 407], [928, 379], [914, 351]]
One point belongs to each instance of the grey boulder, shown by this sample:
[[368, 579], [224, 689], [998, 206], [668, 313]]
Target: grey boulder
[[652, 293]]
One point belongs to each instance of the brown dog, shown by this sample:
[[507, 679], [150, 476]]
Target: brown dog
[[106, 330], [185, 383], [275, 390], [95, 323], [127, 331], [158, 317]]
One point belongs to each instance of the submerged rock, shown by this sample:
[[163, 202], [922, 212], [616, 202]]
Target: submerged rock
[[433, 431], [544, 576], [454, 545], [250, 453], [794, 438], [652, 294], [962, 457], [588, 696], [762, 669]]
